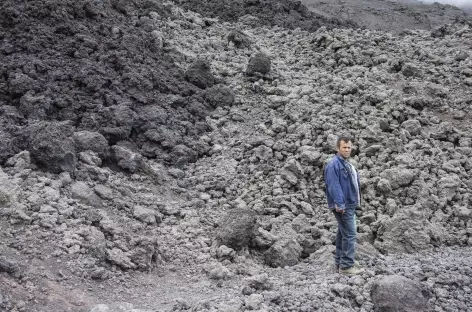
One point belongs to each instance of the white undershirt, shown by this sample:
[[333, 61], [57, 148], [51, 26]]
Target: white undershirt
[[354, 180]]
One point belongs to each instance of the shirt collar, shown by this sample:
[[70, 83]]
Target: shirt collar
[[340, 157]]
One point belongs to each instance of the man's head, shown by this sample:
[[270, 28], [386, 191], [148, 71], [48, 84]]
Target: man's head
[[344, 146]]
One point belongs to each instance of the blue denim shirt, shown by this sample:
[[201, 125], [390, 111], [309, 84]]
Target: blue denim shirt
[[340, 189]]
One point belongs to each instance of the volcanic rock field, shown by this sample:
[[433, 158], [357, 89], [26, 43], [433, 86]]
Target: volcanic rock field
[[168, 156]]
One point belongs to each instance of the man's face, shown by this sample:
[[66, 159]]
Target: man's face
[[344, 149]]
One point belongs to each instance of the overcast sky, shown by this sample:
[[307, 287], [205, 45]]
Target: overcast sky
[[458, 3]]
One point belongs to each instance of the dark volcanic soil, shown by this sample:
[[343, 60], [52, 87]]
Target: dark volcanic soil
[[89, 63]]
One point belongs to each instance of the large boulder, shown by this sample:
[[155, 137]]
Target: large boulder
[[94, 141], [259, 63], [237, 228], [199, 73], [396, 293], [51, 145], [219, 95], [285, 252], [399, 177]]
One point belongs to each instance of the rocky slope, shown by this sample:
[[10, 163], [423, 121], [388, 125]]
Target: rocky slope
[[389, 15], [159, 160]]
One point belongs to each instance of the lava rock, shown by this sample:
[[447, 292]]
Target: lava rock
[[145, 215], [199, 73], [51, 146], [81, 191], [94, 141], [182, 154], [399, 177], [7, 145], [22, 160], [126, 158], [259, 63], [292, 171], [285, 252], [239, 39], [413, 126], [398, 294], [219, 95], [8, 266], [237, 228]]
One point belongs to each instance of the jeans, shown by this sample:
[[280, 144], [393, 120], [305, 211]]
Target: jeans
[[345, 238]]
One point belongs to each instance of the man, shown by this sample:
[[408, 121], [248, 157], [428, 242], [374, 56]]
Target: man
[[343, 194]]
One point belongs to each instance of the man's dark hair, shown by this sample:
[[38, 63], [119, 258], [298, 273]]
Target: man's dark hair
[[344, 139]]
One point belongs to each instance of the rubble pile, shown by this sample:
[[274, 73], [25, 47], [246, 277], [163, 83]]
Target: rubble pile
[[147, 146]]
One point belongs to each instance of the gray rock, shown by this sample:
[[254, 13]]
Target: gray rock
[[263, 152], [383, 185], [237, 228], [127, 159], [410, 70], [285, 252], [301, 223], [278, 125], [259, 63], [95, 243], [52, 147], [224, 252], [103, 191], [309, 154], [7, 145], [254, 301], [276, 101], [259, 282], [220, 95], [182, 154], [90, 158], [399, 177], [398, 294], [22, 160], [8, 266], [120, 258], [372, 150], [463, 212], [176, 173], [413, 126], [239, 39], [93, 141], [199, 73], [81, 191], [292, 171], [447, 186], [145, 215], [306, 208], [218, 273], [100, 308]]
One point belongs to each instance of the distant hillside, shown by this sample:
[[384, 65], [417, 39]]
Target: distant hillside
[[389, 15]]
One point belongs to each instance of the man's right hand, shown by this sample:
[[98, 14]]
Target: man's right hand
[[339, 210]]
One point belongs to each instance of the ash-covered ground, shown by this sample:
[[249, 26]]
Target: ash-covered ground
[[155, 158]]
